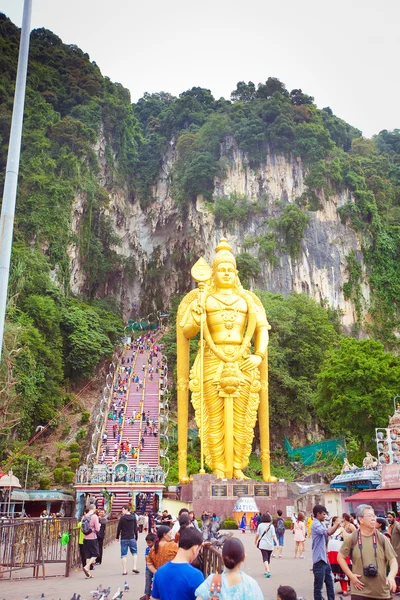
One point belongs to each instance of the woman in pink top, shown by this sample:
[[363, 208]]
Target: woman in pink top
[[299, 531], [90, 542]]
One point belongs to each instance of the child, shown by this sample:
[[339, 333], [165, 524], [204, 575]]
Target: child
[[150, 537], [285, 592]]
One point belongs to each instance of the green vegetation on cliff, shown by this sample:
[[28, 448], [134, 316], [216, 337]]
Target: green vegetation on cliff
[[84, 140], [52, 338]]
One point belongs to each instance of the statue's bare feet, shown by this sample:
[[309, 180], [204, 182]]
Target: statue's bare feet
[[238, 474], [220, 474]]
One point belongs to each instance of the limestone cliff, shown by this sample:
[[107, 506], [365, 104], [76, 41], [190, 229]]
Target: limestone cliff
[[162, 245]]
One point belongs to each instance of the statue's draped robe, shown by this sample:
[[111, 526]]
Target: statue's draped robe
[[222, 377]]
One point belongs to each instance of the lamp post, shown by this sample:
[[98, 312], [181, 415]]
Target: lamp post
[[12, 168]]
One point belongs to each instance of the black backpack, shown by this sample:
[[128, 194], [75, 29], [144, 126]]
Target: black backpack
[[280, 526], [86, 529]]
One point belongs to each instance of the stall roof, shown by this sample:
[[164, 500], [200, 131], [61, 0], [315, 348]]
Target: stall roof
[[382, 495], [41, 495]]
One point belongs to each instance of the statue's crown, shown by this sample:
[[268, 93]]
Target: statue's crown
[[223, 254]]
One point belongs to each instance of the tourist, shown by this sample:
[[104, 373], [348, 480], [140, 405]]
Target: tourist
[[140, 523], [166, 518], [299, 530], [321, 567], [371, 553], [193, 520], [184, 522], [243, 524], [150, 538], [264, 540], [127, 530], [234, 583], [285, 592], [334, 545], [81, 538], [381, 526], [279, 525], [90, 543], [176, 526], [348, 523], [186, 578], [163, 550], [394, 531], [100, 535]]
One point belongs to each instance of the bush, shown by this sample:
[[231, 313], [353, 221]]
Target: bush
[[75, 455], [74, 447], [229, 524], [44, 483], [81, 434], [58, 475], [85, 417], [288, 523], [68, 477], [74, 463]]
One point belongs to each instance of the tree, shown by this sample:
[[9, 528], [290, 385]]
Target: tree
[[301, 333], [292, 224], [270, 87], [249, 268], [355, 391], [245, 92], [298, 97]]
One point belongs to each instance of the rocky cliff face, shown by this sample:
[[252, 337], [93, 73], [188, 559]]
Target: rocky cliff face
[[162, 245]]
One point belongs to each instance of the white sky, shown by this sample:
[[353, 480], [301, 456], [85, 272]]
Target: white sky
[[344, 53]]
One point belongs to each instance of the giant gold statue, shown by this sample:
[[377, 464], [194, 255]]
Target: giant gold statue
[[229, 383]]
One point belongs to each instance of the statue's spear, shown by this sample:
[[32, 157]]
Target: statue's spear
[[201, 272]]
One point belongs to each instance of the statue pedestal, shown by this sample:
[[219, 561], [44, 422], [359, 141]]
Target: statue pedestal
[[219, 496]]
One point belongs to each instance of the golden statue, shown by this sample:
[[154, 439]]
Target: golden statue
[[228, 383]]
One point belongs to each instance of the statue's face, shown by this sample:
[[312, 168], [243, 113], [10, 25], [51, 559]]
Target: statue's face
[[225, 275]]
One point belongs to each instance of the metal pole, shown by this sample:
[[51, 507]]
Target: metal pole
[[11, 180], [26, 483]]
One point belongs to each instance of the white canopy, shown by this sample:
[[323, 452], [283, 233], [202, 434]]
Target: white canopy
[[10, 481]]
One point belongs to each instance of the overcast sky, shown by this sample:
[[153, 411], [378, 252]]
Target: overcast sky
[[345, 53]]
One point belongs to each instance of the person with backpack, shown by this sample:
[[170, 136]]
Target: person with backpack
[[279, 525], [90, 527], [233, 583]]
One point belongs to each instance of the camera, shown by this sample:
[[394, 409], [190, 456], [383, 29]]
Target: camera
[[370, 571]]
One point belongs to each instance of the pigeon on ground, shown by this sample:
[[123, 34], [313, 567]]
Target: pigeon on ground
[[126, 586], [118, 595], [106, 592], [74, 596]]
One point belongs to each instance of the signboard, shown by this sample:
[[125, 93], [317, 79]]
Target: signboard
[[219, 491], [240, 490], [245, 505], [391, 476], [261, 490]]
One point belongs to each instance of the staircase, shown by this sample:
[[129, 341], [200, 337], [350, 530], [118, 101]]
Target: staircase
[[135, 398]]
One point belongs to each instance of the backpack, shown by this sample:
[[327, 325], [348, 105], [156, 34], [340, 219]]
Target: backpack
[[280, 526], [86, 529], [215, 587]]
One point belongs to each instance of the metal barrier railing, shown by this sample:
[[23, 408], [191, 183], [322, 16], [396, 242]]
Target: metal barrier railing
[[212, 560], [35, 543]]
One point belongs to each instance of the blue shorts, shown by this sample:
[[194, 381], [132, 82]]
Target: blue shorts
[[280, 539], [128, 544]]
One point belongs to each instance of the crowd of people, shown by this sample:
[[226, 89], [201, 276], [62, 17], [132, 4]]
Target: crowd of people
[[174, 568], [360, 551]]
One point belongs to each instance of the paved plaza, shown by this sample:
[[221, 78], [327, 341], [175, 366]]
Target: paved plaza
[[285, 571]]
